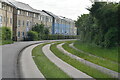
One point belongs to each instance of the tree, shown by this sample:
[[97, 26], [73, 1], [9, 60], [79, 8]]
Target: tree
[[32, 36], [39, 28], [101, 25], [6, 33]]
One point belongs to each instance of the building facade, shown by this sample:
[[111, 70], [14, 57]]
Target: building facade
[[25, 17], [6, 14], [61, 25], [21, 17]]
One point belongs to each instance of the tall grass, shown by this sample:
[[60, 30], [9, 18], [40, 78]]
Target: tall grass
[[78, 65], [105, 63], [107, 53]]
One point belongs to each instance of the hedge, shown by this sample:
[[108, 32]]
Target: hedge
[[32, 36]]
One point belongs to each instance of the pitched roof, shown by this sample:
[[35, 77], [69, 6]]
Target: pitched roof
[[22, 6], [51, 14], [41, 12], [6, 1]]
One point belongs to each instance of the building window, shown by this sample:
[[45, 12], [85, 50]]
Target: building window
[[3, 6], [34, 15], [18, 23], [39, 17], [27, 23], [23, 23], [0, 21], [10, 20], [30, 23], [27, 14], [23, 34], [19, 12], [18, 34], [0, 5]]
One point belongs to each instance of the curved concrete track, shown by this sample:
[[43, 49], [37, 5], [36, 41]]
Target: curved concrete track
[[27, 65], [68, 69], [88, 63], [10, 56]]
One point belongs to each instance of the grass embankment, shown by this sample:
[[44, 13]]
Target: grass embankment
[[48, 69], [3, 42], [78, 65], [105, 63], [110, 54]]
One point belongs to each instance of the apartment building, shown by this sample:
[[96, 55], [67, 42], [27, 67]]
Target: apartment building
[[61, 25], [25, 17], [6, 14], [21, 17], [46, 20]]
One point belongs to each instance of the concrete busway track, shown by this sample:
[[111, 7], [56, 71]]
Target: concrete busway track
[[68, 69], [11, 54], [28, 68], [100, 68], [72, 46]]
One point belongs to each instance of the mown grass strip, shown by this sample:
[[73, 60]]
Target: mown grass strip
[[78, 65], [105, 63], [48, 69], [110, 54]]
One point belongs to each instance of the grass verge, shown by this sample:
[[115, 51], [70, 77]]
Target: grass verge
[[3, 42], [110, 54], [78, 65], [48, 69], [105, 63]]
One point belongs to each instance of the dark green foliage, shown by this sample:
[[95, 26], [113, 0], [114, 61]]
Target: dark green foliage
[[55, 37], [5, 36], [41, 30], [32, 36], [38, 28], [101, 25], [6, 33]]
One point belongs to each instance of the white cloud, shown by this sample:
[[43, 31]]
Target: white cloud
[[67, 8]]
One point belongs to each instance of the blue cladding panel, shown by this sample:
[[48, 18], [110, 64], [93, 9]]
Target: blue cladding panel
[[61, 29]]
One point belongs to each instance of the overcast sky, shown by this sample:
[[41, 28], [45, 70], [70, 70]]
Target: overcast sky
[[67, 8]]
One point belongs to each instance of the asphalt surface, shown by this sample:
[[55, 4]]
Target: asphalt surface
[[10, 57], [0, 62]]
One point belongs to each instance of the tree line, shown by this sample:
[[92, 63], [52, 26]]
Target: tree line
[[101, 26]]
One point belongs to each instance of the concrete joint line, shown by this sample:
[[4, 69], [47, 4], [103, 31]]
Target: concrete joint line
[[100, 68]]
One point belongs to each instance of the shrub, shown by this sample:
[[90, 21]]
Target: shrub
[[39, 28], [32, 36], [6, 33], [56, 36]]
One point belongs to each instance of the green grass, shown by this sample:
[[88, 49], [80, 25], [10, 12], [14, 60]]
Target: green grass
[[3, 42], [78, 65], [105, 63], [48, 69], [110, 54]]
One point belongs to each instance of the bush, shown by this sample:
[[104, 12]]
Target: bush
[[6, 33], [55, 37], [32, 36]]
